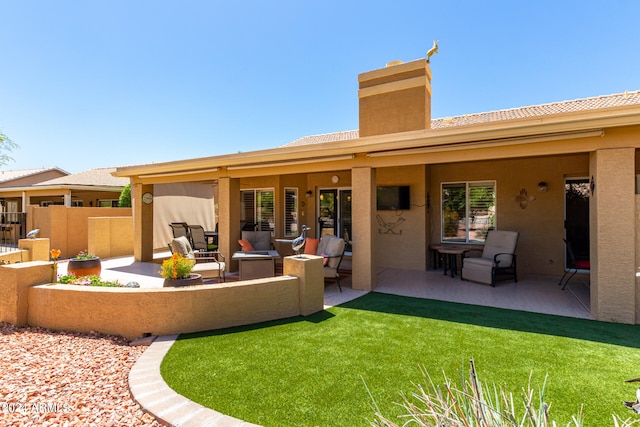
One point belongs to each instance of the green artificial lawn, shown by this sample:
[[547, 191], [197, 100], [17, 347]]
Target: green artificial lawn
[[311, 371]]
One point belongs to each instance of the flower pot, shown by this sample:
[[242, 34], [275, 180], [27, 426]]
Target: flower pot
[[193, 279], [84, 267]]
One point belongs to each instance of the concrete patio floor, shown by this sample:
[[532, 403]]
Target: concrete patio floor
[[539, 294]]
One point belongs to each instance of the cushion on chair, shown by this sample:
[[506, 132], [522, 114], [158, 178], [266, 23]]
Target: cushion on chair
[[332, 247], [500, 241], [182, 246], [311, 246], [209, 270], [246, 245]]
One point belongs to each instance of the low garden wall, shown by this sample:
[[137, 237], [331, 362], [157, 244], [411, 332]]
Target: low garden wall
[[135, 312]]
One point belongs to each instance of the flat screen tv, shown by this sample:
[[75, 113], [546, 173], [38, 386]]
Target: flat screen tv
[[393, 198]]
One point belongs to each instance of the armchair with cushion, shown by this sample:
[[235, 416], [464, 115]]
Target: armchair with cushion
[[208, 264], [498, 258], [331, 248]]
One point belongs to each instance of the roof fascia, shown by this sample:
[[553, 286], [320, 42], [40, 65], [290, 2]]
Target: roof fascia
[[491, 132]]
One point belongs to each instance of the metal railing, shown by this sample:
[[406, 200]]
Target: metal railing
[[12, 229]]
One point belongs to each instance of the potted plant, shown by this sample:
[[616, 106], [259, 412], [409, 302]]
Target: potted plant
[[84, 264], [176, 271]]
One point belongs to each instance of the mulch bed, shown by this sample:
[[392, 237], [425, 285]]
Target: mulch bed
[[66, 379]]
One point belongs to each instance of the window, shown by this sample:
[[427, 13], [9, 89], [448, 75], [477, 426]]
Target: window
[[290, 211], [108, 203], [468, 211], [256, 207]]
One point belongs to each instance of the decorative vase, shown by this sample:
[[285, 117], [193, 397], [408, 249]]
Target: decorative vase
[[193, 279], [84, 267]]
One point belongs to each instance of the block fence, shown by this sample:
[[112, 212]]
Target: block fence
[[134, 312]]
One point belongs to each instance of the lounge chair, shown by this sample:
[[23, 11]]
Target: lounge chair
[[209, 264], [498, 259]]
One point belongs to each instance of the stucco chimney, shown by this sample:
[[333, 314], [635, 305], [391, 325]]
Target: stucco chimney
[[396, 98]]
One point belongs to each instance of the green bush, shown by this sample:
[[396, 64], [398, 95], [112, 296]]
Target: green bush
[[125, 197]]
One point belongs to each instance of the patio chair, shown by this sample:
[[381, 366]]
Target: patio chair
[[332, 248], [209, 264], [180, 229], [573, 265], [498, 258], [199, 239]]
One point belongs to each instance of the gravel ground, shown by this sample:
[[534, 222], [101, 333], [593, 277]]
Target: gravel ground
[[66, 379]]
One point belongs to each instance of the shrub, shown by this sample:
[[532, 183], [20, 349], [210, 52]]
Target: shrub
[[475, 404], [71, 279]]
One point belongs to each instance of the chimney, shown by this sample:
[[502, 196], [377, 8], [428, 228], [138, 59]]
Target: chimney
[[396, 98]]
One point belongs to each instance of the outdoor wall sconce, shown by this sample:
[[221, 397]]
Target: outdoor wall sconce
[[542, 187], [309, 193], [523, 198]]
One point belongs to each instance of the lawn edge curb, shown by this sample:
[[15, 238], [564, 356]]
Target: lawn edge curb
[[151, 392]]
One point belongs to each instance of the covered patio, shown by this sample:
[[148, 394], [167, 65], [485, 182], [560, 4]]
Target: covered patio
[[538, 294]]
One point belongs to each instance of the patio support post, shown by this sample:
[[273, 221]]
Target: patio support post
[[229, 218], [363, 185], [142, 224], [612, 234]]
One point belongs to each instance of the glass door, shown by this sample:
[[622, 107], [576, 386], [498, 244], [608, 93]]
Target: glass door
[[327, 212], [576, 220], [334, 213]]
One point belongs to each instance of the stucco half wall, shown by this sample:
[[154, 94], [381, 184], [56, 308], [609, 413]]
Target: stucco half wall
[[134, 312]]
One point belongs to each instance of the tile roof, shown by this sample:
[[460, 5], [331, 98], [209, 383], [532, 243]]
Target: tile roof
[[585, 104], [10, 175], [93, 177]]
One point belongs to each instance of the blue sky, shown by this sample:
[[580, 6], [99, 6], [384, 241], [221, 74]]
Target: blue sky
[[87, 84]]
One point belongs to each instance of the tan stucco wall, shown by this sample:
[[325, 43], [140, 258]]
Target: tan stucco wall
[[406, 246], [132, 312], [637, 269], [110, 237], [541, 224], [613, 212], [68, 228], [15, 280]]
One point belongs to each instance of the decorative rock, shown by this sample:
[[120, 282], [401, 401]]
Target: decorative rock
[[132, 285]]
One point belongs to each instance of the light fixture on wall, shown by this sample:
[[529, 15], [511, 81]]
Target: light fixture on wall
[[309, 193], [542, 187]]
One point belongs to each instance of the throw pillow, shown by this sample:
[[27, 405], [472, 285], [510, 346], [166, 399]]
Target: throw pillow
[[311, 246], [246, 245]]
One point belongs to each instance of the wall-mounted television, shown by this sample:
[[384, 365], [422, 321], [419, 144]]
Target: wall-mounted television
[[391, 198]]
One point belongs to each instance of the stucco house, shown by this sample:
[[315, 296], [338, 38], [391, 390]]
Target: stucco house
[[24, 191], [404, 181]]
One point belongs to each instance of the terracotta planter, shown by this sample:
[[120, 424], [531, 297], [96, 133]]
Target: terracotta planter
[[84, 267], [194, 279]]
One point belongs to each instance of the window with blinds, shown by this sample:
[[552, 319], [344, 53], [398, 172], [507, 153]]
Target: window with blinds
[[468, 211], [256, 207], [290, 211]]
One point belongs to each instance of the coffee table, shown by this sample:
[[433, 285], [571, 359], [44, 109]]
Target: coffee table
[[256, 264]]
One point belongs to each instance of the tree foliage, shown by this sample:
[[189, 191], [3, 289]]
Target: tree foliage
[[125, 197], [6, 145]]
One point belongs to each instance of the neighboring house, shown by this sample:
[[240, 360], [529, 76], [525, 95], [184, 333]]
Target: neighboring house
[[22, 178], [95, 187], [403, 182], [45, 187]]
